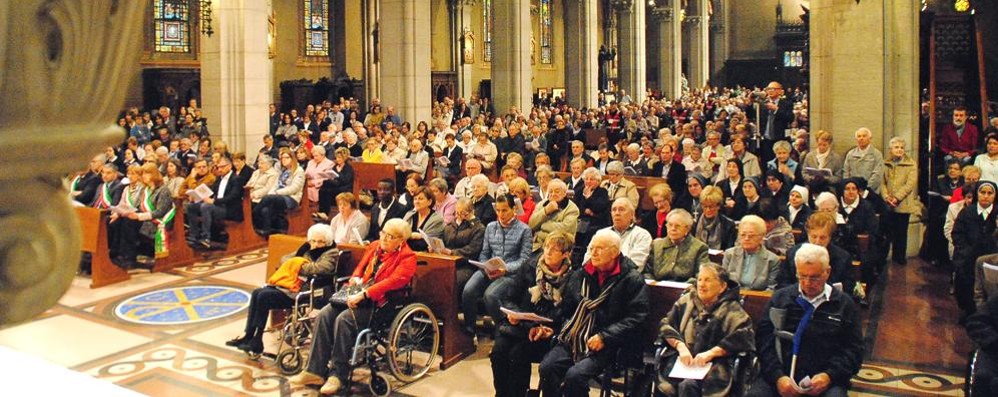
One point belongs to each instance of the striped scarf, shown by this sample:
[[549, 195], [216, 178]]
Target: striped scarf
[[580, 327]]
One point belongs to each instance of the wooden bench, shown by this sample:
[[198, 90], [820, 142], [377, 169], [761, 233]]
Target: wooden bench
[[366, 176], [93, 229], [436, 287]]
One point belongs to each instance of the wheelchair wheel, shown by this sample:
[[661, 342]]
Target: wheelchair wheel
[[289, 361], [413, 342], [380, 384]]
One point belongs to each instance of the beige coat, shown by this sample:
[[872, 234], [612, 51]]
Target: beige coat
[[625, 189], [564, 220], [900, 182]]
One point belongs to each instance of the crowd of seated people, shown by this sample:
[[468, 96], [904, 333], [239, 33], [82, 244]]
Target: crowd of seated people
[[722, 186]]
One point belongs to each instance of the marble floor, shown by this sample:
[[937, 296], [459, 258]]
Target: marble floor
[[165, 356]]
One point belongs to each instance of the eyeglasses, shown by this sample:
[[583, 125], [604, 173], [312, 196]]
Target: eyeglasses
[[810, 278], [388, 236]]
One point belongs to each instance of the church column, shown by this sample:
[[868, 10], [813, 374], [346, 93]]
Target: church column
[[697, 27], [511, 69], [404, 35], [581, 50], [370, 12], [236, 74], [720, 39], [878, 41], [460, 13], [670, 51], [632, 75]]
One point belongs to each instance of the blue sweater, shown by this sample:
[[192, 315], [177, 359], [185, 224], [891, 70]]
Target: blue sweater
[[512, 244]]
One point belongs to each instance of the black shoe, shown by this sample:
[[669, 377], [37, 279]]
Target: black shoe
[[252, 345], [205, 243], [237, 341]]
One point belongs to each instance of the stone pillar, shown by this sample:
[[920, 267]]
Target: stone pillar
[[720, 39], [370, 10], [697, 22], [632, 75], [460, 14], [581, 52], [236, 74], [511, 69], [878, 41], [670, 53], [70, 62], [405, 57]]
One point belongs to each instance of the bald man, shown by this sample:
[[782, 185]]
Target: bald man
[[776, 113]]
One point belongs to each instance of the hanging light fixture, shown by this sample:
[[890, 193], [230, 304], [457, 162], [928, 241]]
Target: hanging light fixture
[[205, 8]]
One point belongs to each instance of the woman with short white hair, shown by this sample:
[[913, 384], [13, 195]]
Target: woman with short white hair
[[677, 256], [317, 256], [752, 265]]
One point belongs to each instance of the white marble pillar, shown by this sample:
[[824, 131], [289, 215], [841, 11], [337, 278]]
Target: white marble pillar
[[581, 52], [720, 39], [878, 41], [512, 73], [405, 57], [632, 75], [236, 73], [697, 27], [370, 12], [460, 13], [670, 52]]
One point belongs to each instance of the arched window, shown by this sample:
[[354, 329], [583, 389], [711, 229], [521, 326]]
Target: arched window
[[172, 21], [316, 23], [487, 31], [546, 31]]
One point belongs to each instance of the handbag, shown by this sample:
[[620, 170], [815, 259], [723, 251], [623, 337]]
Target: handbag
[[339, 298]]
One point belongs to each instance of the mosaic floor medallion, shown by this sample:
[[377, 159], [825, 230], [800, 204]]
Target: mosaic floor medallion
[[183, 305]]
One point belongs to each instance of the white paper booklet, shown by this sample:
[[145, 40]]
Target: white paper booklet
[[199, 193], [521, 316], [328, 174], [683, 371], [490, 265], [123, 209]]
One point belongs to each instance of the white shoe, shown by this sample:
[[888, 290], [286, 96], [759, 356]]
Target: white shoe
[[331, 386], [305, 379]]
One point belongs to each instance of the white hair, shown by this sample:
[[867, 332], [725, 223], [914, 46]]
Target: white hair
[[321, 231], [863, 130], [608, 235], [479, 179], [680, 215], [812, 253], [824, 197], [753, 221]]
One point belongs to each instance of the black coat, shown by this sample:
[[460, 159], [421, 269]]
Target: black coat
[[862, 220], [618, 320], [232, 198], [599, 203], [455, 156], [972, 237], [649, 222], [396, 210], [87, 186], [519, 299], [831, 343], [676, 177], [982, 326], [801, 219], [484, 211], [114, 189], [784, 116]]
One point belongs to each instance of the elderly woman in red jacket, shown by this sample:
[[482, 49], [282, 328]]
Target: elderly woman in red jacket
[[387, 265]]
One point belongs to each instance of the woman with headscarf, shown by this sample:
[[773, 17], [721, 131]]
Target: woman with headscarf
[[973, 236], [798, 207], [776, 187]]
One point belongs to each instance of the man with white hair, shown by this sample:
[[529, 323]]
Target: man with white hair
[[809, 330], [605, 302], [635, 160], [635, 241], [472, 167], [556, 213], [864, 160]]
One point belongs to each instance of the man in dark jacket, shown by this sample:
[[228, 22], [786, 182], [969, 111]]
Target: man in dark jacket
[[820, 229], [604, 305], [225, 203], [982, 327], [829, 348], [387, 207], [775, 115]]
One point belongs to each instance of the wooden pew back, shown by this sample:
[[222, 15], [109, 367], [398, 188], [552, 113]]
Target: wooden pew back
[[663, 297], [93, 229], [367, 175]]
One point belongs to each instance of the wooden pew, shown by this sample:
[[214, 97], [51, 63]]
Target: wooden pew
[[592, 137], [300, 218], [93, 229], [242, 237], [435, 287], [663, 297], [180, 254], [367, 175]]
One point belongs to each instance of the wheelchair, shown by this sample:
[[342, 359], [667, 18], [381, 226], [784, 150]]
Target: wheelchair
[[404, 337], [744, 368]]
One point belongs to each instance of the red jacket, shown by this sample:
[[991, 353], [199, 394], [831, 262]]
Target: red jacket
[[396, 269], [949, 141]]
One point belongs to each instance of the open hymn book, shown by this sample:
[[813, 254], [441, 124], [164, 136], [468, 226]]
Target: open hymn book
[[123, 209], [199, 193], [525, 316], [490, 265]]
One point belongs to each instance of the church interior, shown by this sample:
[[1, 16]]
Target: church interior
[[107, 296]]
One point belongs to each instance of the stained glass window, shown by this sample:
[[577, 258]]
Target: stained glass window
[[487, 30], [545, 14], [173, 25], [316, 28]]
